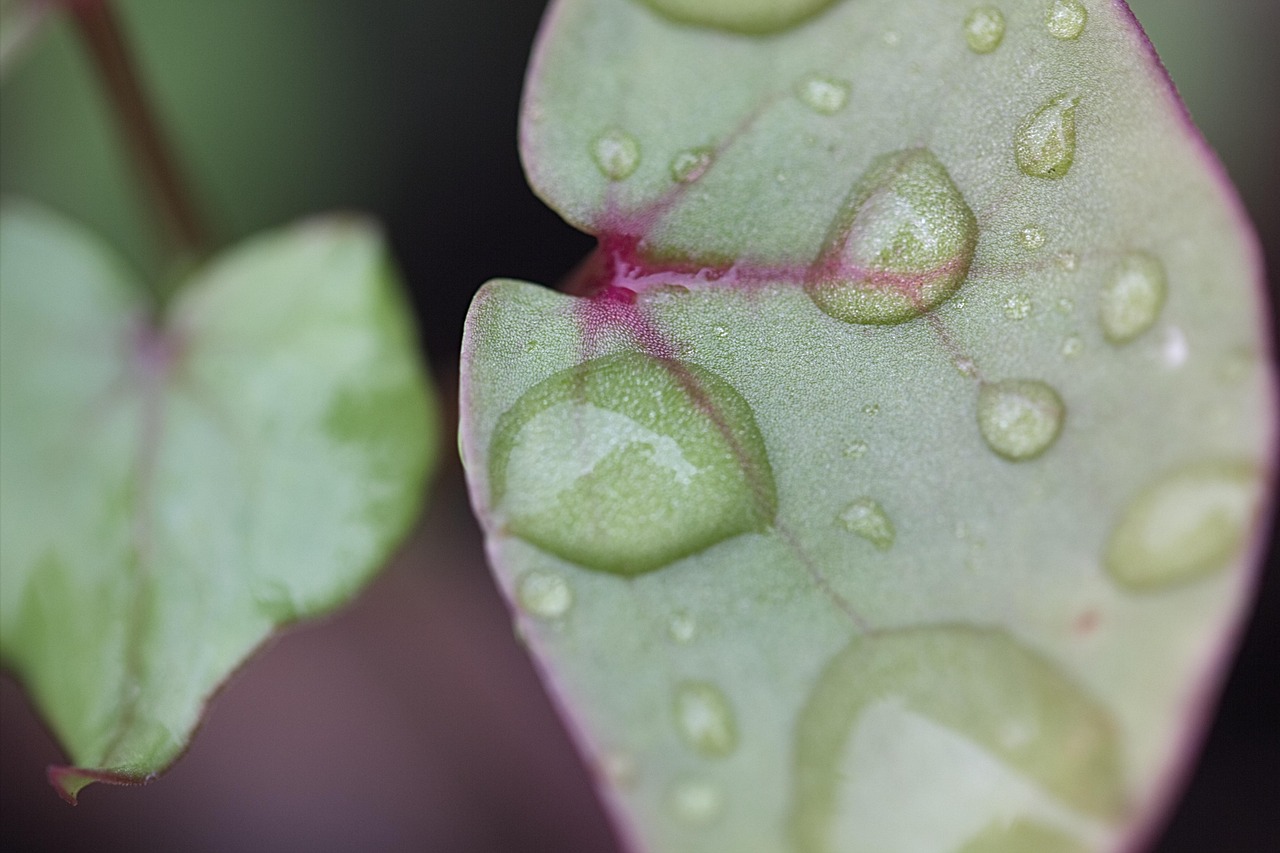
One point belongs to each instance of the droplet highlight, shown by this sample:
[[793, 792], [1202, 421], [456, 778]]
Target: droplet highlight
[[865, 517], [1045, 142], [616, 153], [696, 802], [1132, 297], [1020, 418], [688, 166], [546, 595], [823, 94], [627, 463], [705, 719], [1065, 19], [984, 29], [1185, 526], [900, 246]]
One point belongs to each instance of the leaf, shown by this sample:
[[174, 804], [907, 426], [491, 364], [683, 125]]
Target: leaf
[[173, 495], [953, 313]]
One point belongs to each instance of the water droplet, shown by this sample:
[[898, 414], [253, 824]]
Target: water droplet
[[866, 518], [688, 166], [1068, 261], [1072, 346], [696, 802], [617, 154], [1132, 297], [751, 17], [856, 449], [720, 332], [891, 38], [1065, 306], [705, 719], [1186, 525], [823, 94], [1017, 306], [966, 366], [871, 409], [1032, 237], [900, 246], [1020, 418], [1045, 143], [984, 29], [682, 627], [1066, 19], [627, 463], [544, 594]]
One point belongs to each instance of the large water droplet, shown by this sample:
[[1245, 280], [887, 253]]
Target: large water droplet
[[617, 154], [544, 594], [1186, 525], [753, 17], [705, 719], [1045, 142], [1020, 418], [688, 166], [696, 802], [823, 94], [984, 29], [627, 463], [1065, 19], [900, 246], [1132, 297], [867, 518]]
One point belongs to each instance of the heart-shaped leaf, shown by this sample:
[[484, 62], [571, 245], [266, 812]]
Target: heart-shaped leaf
[[890, 480], [171, 495]]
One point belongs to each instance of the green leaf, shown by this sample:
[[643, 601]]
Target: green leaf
[[172, 495], [893, 479]]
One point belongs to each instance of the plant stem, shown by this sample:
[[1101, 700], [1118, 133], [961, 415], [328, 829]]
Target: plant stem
[[151, 155]]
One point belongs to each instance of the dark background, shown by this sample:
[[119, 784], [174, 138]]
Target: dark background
[[413, 720]]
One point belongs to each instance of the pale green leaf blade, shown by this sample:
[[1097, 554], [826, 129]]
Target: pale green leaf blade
[[973, 324], [171, 497]]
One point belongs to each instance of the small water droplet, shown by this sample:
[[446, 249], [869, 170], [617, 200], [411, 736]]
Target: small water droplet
[[871, 409], [856, 449], [1017, 306], [823, 94], [867, 518], [1045, 143], [900, 246], [1132, 297], [1072, 346], [984, 29], [720, 332], [1065, 306], [1186, 525], [966, 366], [1068, 261], [1033, 237], [1065, 19], [682, 627], [688, 166], [544, 594], [696, 802], [705, 719], [891, 38], [617, 153], [1020, 418]]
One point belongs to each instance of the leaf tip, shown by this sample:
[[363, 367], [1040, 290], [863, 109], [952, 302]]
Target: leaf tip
[[69, 781]]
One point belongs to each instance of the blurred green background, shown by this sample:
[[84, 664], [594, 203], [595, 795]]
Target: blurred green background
[[413, 720]]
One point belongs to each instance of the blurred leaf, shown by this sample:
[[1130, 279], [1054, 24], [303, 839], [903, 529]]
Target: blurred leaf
[[20, 22], [894, 480], [172, 495]]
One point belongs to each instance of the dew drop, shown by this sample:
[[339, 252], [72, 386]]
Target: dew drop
[[1132, 297], [682, 627], [1065, 19], [1045, 143], [1032, 237], [617, 154], [1017, 307], [1186, 525], [891, 38], [900, 246], [856, 449], [720, 332], [871, 409], [1068, 261], [751, 17], [627, 463], [984, 29], [1072, 346], [1020, 418], [544, 594], [866, 518], [966, 366], [688, 166], [823, 94], [695, 802], [705, 719]]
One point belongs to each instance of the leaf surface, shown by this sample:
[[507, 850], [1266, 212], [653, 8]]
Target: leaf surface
[[172, 495]]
